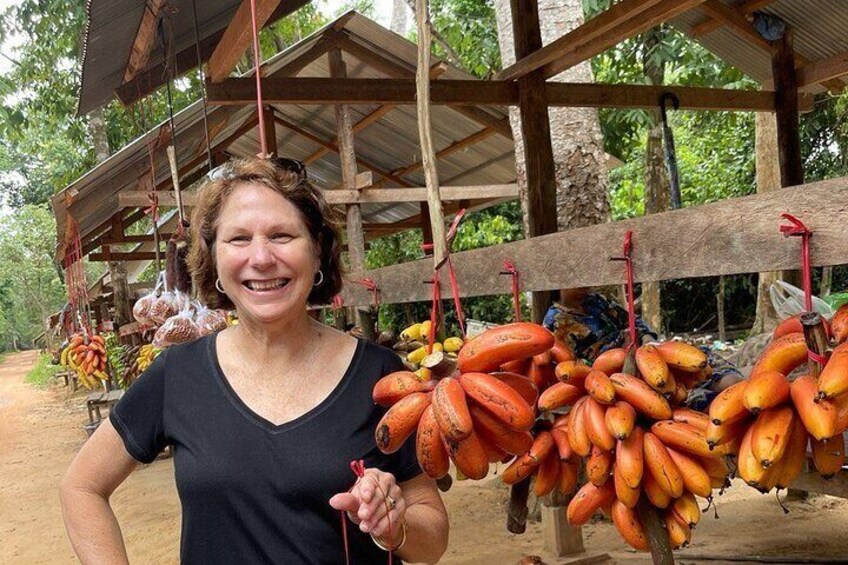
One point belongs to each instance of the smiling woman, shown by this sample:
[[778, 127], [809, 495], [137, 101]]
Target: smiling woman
[[264, 418]]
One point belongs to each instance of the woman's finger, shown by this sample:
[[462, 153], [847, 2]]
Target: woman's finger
[[389, 522]]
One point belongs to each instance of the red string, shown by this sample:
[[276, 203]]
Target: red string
[[434, 310], [631, 301], [338, 302], [460, 315], [358, 468], [256, 62], [369, 283], [797, 228], [153, 209], [454, 283], [509, 269]]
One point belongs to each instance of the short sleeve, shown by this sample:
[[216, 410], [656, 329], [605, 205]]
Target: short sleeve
[[139, 415], [403, 463]]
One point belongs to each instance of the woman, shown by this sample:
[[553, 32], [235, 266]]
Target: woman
[[265, 417]]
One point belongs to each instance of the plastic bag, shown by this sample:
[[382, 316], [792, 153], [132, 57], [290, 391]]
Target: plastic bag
[[788, 300], [144, 305], [179, 328], [209, 321], [164, 306]]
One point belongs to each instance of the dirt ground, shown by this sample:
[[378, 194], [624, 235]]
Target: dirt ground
[[41, 430]]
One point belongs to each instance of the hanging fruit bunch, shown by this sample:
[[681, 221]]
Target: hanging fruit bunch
[[414, 342], [773, 418], [519, 395], [115, 355], [86, 354]]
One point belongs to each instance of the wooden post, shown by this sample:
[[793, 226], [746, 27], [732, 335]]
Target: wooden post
[[426, 227], [428, 154], [270, 131], [535, 126], [120, 295], [347, 156], [786, 110]]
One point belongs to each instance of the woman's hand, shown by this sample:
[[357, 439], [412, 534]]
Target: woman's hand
[[373, 502]]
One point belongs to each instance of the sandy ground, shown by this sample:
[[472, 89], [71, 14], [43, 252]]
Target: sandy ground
[[41, 430]]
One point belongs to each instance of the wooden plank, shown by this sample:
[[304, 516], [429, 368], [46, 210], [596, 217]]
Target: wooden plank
[[238, 37], [737, 235], [138, 198], [786, 111], [711, 23], [145, 39], [456, 93], [735, 20], [822, 71], [621, 21], [335, 148], [597, 26], [128, 256]]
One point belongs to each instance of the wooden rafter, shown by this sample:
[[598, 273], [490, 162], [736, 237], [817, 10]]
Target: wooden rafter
[[145, 39], [139, 198], [711, 23], [238, 37], [461, 93], [742, 27], [396, 70], [823, 71], [485, 133], [621, 21], [436, 71], [335, 148]]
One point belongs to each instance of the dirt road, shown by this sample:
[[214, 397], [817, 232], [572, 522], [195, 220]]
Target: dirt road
[[41, 430]]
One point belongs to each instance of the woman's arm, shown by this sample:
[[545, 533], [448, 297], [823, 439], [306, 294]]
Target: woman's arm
[[415, 502], [101, 465], [426, 522]]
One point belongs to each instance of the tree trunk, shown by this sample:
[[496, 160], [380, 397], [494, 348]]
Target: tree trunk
[[768, 178], [657, 197], [399, 10], [97, 129]]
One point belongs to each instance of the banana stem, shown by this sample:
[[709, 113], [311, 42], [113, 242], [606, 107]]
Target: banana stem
[[816, 338], [516, 513], [657, 537]]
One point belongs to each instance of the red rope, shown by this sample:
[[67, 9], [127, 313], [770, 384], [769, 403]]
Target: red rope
[[338, 302], [369, 283], [631, 301], [509, 269], [256, 62], [434, 310], [797, 228], [358, 468], [454, 283]]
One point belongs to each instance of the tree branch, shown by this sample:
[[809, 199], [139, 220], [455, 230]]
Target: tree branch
[[453, 56]]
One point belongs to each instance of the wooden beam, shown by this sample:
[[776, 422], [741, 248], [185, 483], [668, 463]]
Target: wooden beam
[[621, 21], [138, 198], [309, 90], [238, 37], [145, 39], [450, 149], [736, 235], [436, 70], [735, 20], [822, 71], [335, 148], [397, 70], [139, 238], [712, 23], [270, 129], [129, 256]]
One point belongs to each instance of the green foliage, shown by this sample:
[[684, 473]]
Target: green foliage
[[470, 28], [30, 289], [43, 371]]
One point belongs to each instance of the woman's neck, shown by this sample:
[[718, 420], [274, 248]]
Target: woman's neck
[[279, 343]]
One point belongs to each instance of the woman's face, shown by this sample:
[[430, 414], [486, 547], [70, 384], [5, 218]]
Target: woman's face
[[266, 257]]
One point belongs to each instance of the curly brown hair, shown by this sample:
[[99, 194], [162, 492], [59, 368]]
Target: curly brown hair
[[289, 181]]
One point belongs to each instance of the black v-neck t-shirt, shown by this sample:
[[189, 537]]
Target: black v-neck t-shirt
[[251, 491]]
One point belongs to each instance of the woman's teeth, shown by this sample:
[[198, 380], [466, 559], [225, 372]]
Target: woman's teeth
[[266, 285]]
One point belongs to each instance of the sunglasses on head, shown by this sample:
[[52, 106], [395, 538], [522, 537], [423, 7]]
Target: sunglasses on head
[[225, 171]]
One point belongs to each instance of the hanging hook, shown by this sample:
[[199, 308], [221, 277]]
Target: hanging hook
[[664, 98]]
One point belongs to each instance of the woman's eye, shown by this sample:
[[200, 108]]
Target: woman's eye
[[239, 239], [281, 237]]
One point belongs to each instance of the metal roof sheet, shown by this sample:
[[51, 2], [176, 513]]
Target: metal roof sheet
[[111, 29], [389, 144], [819, 27]]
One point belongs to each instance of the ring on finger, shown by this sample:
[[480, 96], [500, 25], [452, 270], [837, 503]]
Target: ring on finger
[[390, 500]]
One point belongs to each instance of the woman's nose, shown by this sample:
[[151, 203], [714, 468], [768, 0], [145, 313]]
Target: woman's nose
[[260, 253]]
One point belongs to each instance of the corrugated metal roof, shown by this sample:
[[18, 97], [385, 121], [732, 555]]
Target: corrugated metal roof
[[819, 27], [388, 145], [111, 29]]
